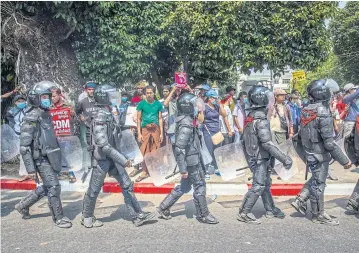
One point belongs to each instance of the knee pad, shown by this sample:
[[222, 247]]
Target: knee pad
[[40, 191], [257, 189], [127, 186], [54, 191]]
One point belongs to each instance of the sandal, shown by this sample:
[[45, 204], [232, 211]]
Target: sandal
[[27, 177], [72, 178], [141, 178], [134, 172]]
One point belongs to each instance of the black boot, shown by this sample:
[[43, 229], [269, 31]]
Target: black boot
[[319, 216], [142, 217]]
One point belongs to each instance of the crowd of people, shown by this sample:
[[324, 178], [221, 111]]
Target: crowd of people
[[155, 121], [261, 120]]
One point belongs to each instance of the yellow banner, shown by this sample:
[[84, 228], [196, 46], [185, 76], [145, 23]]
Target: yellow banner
[[298, 75]]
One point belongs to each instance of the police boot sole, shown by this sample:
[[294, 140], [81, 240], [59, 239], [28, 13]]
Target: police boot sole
[[161, 215], [64, 225], [142, 221], [297, 207], [328, 223], [204, 221], [272, 216], [254, 222], [24, 215], [351, 209]]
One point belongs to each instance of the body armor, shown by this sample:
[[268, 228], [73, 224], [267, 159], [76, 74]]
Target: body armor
[[317, 138], [107, 159], [188, 158]]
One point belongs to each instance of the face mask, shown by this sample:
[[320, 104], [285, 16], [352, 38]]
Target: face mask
[[245, 100], [21, 105], [214, 102], [46, 102], [124, 100]]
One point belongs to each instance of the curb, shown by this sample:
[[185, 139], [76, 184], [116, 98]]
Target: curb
[[149, 188]]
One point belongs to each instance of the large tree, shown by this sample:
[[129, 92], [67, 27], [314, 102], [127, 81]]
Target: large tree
[[125, 41], [345, 33]]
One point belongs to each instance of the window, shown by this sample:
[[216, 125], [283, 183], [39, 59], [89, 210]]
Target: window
[[286, 81]]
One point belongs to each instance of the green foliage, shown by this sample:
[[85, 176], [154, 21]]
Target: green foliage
[[127, 41], [329, 69], [345, 32]]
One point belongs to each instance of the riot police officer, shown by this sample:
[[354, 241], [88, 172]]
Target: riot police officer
[[41, 153], [106, 158], [261, 154], [316, 136], [188, 158]]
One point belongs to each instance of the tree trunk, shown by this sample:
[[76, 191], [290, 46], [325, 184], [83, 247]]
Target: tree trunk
[[41, 55]]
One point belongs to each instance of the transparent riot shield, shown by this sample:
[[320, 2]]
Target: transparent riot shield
[[298, 164], [71, 152], [10, 143], [128, 147], [206, 156], [231, 161], [162, 165], [341, 144], [22, 170]]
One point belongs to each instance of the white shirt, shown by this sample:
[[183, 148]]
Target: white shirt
[[229, 118]]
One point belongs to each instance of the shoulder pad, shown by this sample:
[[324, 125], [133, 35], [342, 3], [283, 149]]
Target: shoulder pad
[[32, 116], [262, 124], [259, 115], [322, 111]]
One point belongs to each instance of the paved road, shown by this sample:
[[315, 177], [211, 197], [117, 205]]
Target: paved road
[[181, 234]]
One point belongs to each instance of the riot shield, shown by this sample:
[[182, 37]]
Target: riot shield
[[349, 148], [128, 146], [10, 143], [206, 156], [231, 161], [341, 144], [288, 149], [162, 165], [71, 153], [22, 170], [298, 146]]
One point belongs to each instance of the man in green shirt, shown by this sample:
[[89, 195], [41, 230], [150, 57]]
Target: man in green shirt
[[149, 126]]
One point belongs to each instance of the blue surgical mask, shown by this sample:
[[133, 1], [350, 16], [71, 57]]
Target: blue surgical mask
[[21, 105], [124, 99], [46, 102], [214, 102], [245, 100]]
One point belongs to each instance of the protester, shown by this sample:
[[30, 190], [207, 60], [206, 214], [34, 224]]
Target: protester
[[165, 93], [85, 108], [15, 116], [122, 109], [295, 111], [202, 91], [299, 102], [6, 95], [231, 91], [239, 114], [211, 123], [350, 99], [227, 124], [149, 126], [171, 103], [139, 93], [58, 102], [280, 118], [16, 113]]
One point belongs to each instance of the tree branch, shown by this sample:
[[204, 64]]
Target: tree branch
[[68, 34]]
